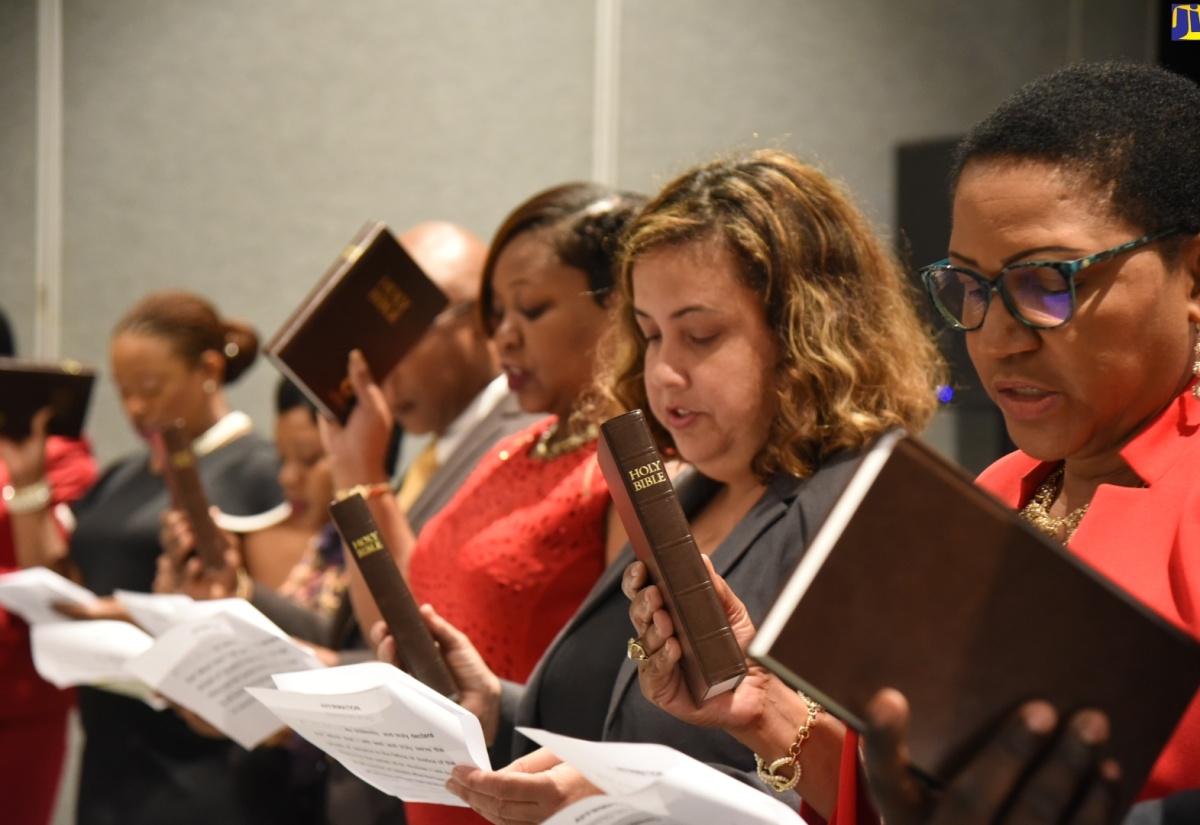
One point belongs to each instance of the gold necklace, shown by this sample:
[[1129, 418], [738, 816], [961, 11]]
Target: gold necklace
[[1037, 511], [543, 450]]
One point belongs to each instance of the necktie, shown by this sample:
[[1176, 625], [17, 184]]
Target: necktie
[[418, 475]]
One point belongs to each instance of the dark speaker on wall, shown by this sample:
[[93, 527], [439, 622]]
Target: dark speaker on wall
[[922, 237]]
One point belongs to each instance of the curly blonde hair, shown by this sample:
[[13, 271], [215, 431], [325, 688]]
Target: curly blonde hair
[[855, 359]]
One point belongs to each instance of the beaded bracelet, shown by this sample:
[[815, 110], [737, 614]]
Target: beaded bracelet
[[27, 499], [767, 773], [368, 491]]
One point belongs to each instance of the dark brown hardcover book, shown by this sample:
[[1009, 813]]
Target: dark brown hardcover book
[[182, 478], [414, 643], [645, 499], [374, 298], [921, 581], [28, 386]]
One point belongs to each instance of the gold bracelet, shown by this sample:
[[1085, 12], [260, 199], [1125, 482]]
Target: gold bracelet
[[768, 773], [244, 585], [368, 491]]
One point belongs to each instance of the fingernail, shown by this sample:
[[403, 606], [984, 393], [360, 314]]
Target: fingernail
[[1040, 717], [1092, 727]]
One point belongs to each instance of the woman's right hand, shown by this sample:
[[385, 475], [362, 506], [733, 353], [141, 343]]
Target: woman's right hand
[[105, 607], [1033, 771], [478, 687], [661, 677], [26, 459]]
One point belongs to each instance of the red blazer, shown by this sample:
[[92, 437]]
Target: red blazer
[[1145, 539]]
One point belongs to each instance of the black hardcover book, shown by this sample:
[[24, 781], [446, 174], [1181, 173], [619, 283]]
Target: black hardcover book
[[375, 299], [28, 386], [921, 581], [415, 646]]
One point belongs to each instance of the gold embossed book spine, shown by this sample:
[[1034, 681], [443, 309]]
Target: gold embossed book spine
[[415, 646], [649, 508], [374, 298]]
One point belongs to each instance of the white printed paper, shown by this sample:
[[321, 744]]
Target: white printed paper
[[154, 612], [30, 593], [94, 653], [649, 783], [157, 613], [206, 664], [387, 728]]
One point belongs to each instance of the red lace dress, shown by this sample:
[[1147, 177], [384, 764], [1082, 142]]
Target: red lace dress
[[510, 558]]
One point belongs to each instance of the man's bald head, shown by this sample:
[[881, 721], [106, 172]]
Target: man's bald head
[[451, 256]]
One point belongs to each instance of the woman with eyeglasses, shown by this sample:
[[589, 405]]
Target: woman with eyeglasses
[[1074, 272], [1077, 202]]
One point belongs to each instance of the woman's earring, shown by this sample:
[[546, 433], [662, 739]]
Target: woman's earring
[[1196, 369], [210, 386]]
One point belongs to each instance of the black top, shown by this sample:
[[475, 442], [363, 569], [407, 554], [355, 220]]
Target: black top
[[586, 687], [142, 766]]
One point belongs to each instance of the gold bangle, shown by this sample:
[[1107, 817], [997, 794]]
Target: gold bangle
[[245, 585], [367, 491], [768, 773]]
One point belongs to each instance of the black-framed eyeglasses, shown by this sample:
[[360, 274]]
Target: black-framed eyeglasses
[[1039, 294]]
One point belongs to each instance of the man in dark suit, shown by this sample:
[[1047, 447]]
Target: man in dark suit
[[449, 386]]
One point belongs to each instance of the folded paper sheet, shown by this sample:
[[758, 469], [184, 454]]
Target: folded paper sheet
[[205, 665], [94, 653], [648, 783], [386, 727], [31, 594]]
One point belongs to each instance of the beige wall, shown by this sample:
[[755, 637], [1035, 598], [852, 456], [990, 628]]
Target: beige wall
[[233, 147]]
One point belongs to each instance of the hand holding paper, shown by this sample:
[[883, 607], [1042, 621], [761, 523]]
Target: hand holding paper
[[386, 727], [655, 783], [32, 594]]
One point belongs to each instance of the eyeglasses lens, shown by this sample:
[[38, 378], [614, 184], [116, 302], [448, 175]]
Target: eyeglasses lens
[[1040, 294]]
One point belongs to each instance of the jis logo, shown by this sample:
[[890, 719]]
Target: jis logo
[[1185, 22]]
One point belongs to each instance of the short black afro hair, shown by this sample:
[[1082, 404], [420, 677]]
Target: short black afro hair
[[1131, 129]]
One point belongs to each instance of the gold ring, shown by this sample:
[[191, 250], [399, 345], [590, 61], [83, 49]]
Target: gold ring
[[635, 651]]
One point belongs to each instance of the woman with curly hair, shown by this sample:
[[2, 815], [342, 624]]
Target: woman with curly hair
[[770, 338]]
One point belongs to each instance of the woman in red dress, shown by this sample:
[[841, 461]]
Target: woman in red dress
[[509, 559]]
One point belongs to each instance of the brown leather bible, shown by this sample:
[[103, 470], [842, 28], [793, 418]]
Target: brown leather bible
[[373, 298], [645, 499], [28, 386], [414, 643], [182, 478], [921, 581]]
